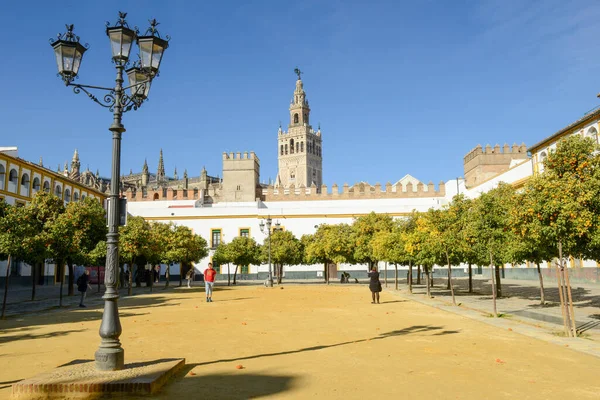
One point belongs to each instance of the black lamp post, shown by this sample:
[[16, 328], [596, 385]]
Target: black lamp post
[[262, 229], [69, 53]]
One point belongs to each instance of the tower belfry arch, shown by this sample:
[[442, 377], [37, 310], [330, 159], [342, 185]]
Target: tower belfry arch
[[300, 160]]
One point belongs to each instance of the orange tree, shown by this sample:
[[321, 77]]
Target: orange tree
[[243, 251], [42, 212], [329, 244], [134, 244], [286, 249], [16, 231], [76, 232], [187, 248], [363, 230]]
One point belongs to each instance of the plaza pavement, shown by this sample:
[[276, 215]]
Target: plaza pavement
[[311, 341]]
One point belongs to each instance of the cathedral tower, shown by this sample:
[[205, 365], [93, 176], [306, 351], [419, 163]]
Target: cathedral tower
[[75, 166], [300, 159], [160, 173]]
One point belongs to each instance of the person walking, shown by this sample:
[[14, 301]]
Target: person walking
[[83, 283], [209, 281], [374, 284], [190, 276]]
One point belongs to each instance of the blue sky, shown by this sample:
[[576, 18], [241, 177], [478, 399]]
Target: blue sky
[[398, 87]]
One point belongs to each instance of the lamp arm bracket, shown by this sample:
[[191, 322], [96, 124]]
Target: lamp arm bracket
[[130, 103], [138, 84], [108, 100], [91, 87]]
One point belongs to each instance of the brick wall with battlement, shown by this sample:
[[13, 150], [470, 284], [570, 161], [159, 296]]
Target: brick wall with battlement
[[357, 191], [482, 164]]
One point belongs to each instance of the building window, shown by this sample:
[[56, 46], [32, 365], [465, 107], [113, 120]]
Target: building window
[[592, 133], [301, 147], [76, 196], [245, 232], [83, 197], [216, 238], [543, 157], [286, 149], [306, 118], [67, 195], [238, 187], [13, 180], [46, 186], [13, 176], [281, 149], [293, 175], [291, 146], [296, 118], [25, 185], [244, 269], [36, 184], [2, 176], [58, 191], [297, 147]]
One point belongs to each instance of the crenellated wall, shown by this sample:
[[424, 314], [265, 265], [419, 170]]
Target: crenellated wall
[[355, 192], [481, 164]]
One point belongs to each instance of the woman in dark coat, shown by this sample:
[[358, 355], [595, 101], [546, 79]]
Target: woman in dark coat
[[374, 284]]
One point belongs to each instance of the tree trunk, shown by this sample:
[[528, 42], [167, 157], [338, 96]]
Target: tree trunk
[[181, 274], [279, 273], [470, 278], [573, 323], [418, 274], [61, 268], [228, 275], [327, 273], [498, 282], [385, 278], [70, 291], [8, 262], [130, 283], [33, 280], [450, 278], [410, 278], [539, 270], [396, 276], [493, 284], [562, 299], [426, 269], [431, 276], [235, 274], [448, 286]]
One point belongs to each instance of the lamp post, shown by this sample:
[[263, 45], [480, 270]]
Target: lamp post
[[262, 229], [69, 52]]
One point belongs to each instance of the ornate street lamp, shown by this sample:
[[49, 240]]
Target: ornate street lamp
[[110, 356], [262, 229]]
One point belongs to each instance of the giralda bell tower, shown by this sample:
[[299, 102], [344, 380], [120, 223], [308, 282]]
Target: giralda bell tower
[[300, 148]]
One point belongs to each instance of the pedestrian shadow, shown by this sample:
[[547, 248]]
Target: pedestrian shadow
[[415, 329], [393, 301]]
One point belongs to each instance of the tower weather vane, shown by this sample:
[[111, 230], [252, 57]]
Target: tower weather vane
[[298, 72]]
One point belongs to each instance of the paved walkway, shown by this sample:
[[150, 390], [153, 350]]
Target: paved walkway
[[521, 301], [47, 297]]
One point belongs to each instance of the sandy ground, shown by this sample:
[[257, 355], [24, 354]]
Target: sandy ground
[[306, 341]]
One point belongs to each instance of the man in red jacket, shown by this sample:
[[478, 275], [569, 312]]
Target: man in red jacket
[[209, 281]]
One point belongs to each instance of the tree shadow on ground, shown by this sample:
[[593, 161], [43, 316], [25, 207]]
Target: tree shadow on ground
[[415, 329], [582, 297], [64, 317], [29, 336]]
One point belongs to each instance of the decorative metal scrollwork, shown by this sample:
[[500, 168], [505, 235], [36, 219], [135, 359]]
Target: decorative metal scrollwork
[[109, 99]]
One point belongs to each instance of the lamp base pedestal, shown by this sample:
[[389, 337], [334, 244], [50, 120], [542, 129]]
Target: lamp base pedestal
[[110, 359]]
